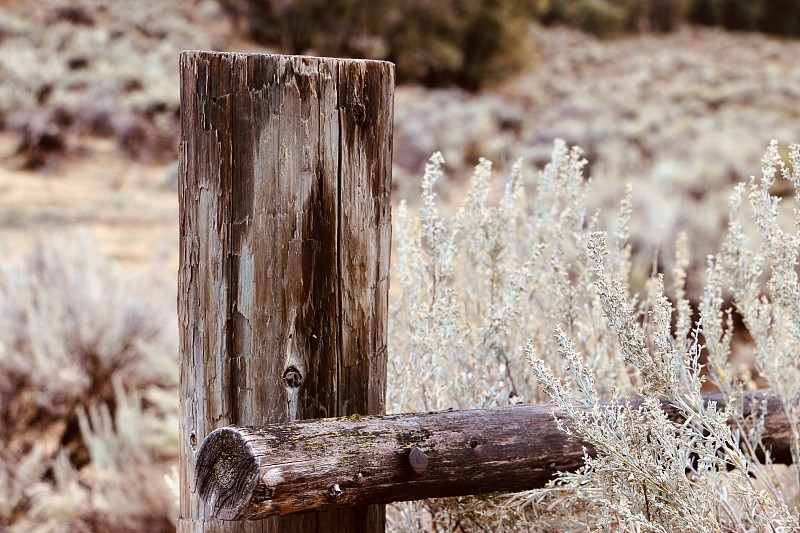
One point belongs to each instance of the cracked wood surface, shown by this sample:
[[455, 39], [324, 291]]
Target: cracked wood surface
[[285, 169]]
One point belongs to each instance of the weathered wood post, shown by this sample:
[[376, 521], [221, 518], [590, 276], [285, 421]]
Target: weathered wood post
[[285, 171]]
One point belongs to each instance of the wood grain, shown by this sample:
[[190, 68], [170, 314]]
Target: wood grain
[[252, 472], [285, 169]]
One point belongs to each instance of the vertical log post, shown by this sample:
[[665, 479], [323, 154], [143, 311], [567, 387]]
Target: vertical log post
[[285, 171]]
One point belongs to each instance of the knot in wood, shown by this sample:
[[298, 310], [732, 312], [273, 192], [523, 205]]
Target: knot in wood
[[417, 460], [359, 112], [292, 377]]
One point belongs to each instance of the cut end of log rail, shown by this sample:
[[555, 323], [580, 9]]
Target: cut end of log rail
[[227, 473]]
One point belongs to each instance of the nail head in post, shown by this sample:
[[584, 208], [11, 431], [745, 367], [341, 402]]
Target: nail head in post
[[417, 460]]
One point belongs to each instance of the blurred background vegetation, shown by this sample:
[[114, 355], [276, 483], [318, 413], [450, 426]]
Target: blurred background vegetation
[[679, 97], [470, 43], [67, 70]]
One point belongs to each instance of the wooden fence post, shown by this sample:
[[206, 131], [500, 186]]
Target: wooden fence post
[[285, 236]]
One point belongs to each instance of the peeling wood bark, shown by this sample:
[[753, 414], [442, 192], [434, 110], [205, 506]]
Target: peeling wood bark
[[285, 169], [253, 472]]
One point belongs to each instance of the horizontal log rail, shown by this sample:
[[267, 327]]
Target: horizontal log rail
[[248, 473]]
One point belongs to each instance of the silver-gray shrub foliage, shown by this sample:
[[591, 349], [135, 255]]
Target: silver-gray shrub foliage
[[477, 285], [526, 276]]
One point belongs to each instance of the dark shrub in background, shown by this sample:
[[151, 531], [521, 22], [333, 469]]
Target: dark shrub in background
[[436, 42], [778, 17], [598, 17], [470, 43], [607, 18], [730, 14]]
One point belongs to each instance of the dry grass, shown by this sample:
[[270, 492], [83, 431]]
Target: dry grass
[[130, 211]]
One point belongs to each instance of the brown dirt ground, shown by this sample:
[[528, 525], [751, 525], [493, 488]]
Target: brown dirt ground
[[128, 210]]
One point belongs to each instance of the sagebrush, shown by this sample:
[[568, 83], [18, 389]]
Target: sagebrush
[[518, 296], [511, 279], [88, 395]]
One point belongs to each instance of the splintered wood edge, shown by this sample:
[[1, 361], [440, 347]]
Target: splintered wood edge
[[226, 473]]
